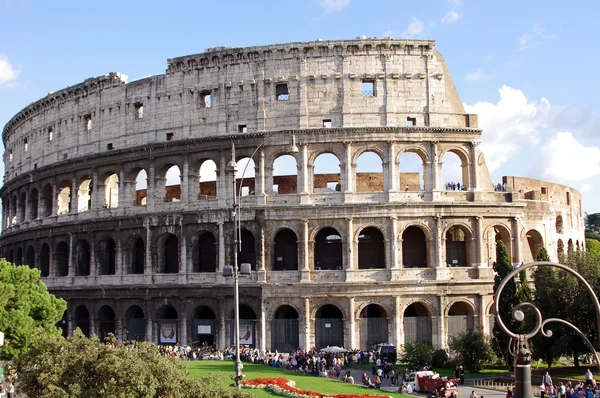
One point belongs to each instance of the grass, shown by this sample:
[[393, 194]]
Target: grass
[[223, 369], [485, 373]]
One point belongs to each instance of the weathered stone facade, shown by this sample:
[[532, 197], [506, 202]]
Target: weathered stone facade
[[344, 258]]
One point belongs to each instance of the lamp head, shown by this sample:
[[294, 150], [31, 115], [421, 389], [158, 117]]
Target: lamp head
[[293, 148]]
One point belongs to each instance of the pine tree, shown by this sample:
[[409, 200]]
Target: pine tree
[[502, 267]]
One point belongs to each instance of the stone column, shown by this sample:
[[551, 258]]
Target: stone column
[[151, 187], [435, 180], [260, 179], [350, 263], [516, 243], [394, 258], [97, 199], [183, 264], [123, 190], [352, 322], [148, 265], [263, 326], [391, 184], [348, 177], [398, 323], [474, 154], [303, 174], [54, 200], [442, 320], [221, 249], [71, 266], [183, 326], [482, 321], [307, 324], [74, 198], [439, 243], [119, 321], [149, 323], [262, 272], [221, 325], [305, 273], [118, 258]]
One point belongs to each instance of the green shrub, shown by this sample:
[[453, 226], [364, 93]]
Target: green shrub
[[418, 354], [439, 359]]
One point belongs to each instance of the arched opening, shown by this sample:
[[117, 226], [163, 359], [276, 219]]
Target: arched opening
[[285, 175], [169, 263], [495, 234], [455, 171], [19, 258], [248, 252], [373, 326], [84, 195], [203, 326], [208, 180], [111, 191], [173, 184], [414, 248], [247, 326], [81, 320], [82, 254], [326, 174], [570, 246], [11, 256], [244, 176], [64, 198], [458, 247], [136, 257], [285, 330], [33, 204], [63, 324], [106, 322], [22, 206], [560, 250], [460, 318], [47, 200], [329, 327], [412, 172], [166, 320], [369, 173], [417, 324], [559, 224], [285, 251], [141, 188], [371, 249], [45, 260], [13, 211], [106, 257], [204, 252], [577, 245], [328, 250], [535, 242], [62, 259], [136, 325], [30, 257]]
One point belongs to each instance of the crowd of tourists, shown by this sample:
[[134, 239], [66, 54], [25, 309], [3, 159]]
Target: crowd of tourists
[[585, 389]]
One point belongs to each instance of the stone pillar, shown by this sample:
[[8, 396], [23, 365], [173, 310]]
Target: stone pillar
[[148, 265], [260, 179], [97, 199], [351, 323], [439, 243], [93, 265], [71, 270], [435, 179], [442, 320], [303, 174], [398, 323], [263, 326], [391, 185], [350, 263], [123, 190], [222, 331], [307, 324], [262, 272], [183, 328], [119, 321], [221, 249], [482, 321], [474, 154], [74, 198], [348, 177], [149, 323], [516, 243], [394, 258], [54, 200], [151, 187], [118, 258], [305, 273]]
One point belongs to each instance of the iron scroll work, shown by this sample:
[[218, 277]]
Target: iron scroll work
[[518, 346]]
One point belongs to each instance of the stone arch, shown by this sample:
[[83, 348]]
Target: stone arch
[[247, 254], [414, 247], [570, 246], [106, 321], [369, 171], [245, 176], [19, 258], [328, 251], [247, 325], [168, 254], [461, 317], [493, 234], [61, 260], [559, 224], [204, 252], [167, 322], [45, 260], [135, 256], [577, 245], [47, 200], [412, 173], [81, 320], [172, 178], [458, 239], [329, 326], [135, 323], [450, 172], [373, 326], [204, 326], [560, 250], [111, 191], [106, 256], [285, 330], [417, 323], [63, 197], [33, 204], [207, 174], [84, 194], [535, 243], [371, 248], [30, 257], [82, 258], [326, 176], [140, 188], [285, 250], [285, 175], [22, 206]]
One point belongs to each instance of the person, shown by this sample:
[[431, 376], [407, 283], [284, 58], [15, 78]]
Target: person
[[350, 379], [409, 389], [462, 375], [10, 390], [473, 395], [546, 379], [509, 392], [378, 381], [542, 391], [589, 378]]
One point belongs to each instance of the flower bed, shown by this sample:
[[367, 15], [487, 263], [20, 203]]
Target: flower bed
[[285, 387]]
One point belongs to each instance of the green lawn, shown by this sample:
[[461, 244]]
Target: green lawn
[[223, 369], [485, 373]]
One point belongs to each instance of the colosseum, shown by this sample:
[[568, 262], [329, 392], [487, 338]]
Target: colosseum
[[123, 194]]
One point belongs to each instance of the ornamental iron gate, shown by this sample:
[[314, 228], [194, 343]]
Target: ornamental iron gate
[[458, 324], [136, 329], [329, 332], [417, 329], [285, 335], [372, 332]]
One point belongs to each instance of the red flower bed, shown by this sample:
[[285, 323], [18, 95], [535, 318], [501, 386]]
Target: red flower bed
[[286, 387]]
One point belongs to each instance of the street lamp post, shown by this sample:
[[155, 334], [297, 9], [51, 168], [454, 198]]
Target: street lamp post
[[237, 245], [519, 348]]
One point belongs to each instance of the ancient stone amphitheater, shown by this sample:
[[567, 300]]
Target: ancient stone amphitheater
[[122, 195]]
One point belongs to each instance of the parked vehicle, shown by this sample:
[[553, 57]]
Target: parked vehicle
[[428, 381], [386, 352]]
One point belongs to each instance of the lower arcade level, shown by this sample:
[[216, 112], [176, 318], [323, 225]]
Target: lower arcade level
[[285, 317]]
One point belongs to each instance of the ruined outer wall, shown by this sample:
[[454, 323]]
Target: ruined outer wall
[[324, 81]]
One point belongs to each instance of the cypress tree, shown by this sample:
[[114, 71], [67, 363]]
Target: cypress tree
[[502, 267]]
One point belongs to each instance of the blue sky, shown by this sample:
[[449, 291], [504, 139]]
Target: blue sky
[[528, 68]]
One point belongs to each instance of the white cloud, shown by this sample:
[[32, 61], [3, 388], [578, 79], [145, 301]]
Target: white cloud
[[333, 5], [567, 159], [538, 34], [415, 27], [7, 71], [450, 17], [388, 33], [510, 123], [586, 187], [477, 75]]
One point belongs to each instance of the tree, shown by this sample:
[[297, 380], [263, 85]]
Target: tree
[[508, 299], [592, 246], [26, 308], [592, 226], [418, 354], [78, 367], [473, 348]]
